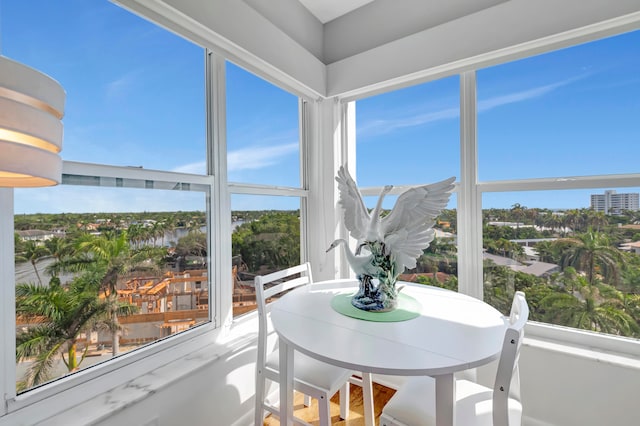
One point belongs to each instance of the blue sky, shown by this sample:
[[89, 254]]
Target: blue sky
[[135, 97]]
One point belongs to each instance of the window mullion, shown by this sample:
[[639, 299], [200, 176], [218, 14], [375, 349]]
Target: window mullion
[[7, 298], [469, 203], [220, 202], [305, 138]]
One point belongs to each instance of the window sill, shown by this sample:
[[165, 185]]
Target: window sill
[[94, 400], [620, 351]]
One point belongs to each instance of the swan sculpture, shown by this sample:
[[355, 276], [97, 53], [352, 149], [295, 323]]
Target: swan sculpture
[[394, 241], [362, 265]]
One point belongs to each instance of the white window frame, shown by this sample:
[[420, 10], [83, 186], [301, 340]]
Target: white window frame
[[302, 192], [15, 402]]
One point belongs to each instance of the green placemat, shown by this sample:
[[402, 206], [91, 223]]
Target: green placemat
[[408, 308]]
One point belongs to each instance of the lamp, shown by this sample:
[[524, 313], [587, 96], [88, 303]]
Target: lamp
[[31, 107]]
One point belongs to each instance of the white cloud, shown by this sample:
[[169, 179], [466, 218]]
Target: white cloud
[[387, 125], [249, 158], [521, 96], [255, 157], [121, 86], [197, 168]]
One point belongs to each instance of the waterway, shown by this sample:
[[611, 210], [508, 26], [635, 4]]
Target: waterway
[[25, 273]]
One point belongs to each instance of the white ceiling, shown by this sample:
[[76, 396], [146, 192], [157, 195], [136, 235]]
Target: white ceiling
[[333, 30], [328, 10]]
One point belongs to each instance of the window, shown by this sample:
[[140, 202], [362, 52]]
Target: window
[[409, 136], [412, 137], [577, 266], [263, 136], [266, 238], [114, 254], [265, 174], [566, 232], [135, 92], [117, 246], [551, 115]]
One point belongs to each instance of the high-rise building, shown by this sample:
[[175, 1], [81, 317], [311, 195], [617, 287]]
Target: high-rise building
[[612, 203]]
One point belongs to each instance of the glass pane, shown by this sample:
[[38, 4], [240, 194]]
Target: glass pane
[[262, 131], [409, 136], [90, 260], [577, 266], [556, 114], [135, 92], [265, 239]]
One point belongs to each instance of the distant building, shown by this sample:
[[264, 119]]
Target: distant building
[[39, 235], [531, 267], [612, 203]]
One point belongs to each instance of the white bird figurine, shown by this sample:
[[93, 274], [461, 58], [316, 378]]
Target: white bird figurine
[[407, 230], [360, 264], [363, 266]]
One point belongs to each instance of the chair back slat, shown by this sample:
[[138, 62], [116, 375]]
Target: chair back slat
[[265, 291], [508, 364], [278, 275], [285, 286]]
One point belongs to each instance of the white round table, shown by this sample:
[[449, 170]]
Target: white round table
[[453, 332]]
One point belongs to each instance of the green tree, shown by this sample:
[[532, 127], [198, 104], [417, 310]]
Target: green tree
[[192, 244], [518, 213], [113, 254], [588, 310], [591, 253], [270, 242], [18, 244], [597, 220], [547, 252], [33, 252], [59, 248], [60, 315]]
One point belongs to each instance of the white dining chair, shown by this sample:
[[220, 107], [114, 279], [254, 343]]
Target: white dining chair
[[312, 378], [414, 402]]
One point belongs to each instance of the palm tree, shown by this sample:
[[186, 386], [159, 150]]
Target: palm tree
[[598, 220], [170, 225], [631, 305], [499, 286], [591, 253], [17, 243], [59, 315], [557, 224], [573, 220], [159, 231], [518, 212], [134, 231], [59, 248], [33, 252], [546, 251], [114, 255], [588, 310]]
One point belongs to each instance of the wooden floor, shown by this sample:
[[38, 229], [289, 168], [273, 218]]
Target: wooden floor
[[381, 395]]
